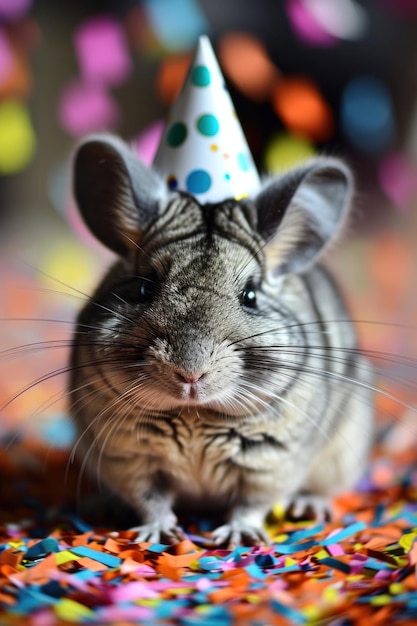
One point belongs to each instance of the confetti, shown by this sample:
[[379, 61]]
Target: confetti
[[14, 9], [285, 151], [17, 137], [367, 114], [398, 178], [86, 107], [246, 62], [300, 105], [102, 51], [361, 566], [177, 25]]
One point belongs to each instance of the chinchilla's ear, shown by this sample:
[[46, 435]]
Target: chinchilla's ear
[[300, 212], [117, 195]]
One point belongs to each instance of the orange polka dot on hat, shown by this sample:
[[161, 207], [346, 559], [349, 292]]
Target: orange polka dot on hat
[[203, 150]]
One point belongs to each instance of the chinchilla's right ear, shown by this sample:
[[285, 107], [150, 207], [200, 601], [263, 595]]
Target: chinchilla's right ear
[[117, 195]]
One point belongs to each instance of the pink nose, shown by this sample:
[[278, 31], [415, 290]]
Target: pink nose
[[189, 378]]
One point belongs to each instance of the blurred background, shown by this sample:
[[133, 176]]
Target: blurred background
[[306, 76]]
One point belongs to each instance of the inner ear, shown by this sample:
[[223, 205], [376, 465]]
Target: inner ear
[[102, 189]]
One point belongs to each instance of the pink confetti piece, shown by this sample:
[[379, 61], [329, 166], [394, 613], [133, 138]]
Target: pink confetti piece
[[398, 178], [85, 108], [147, 142], [306, 26], [140, 569], [102, 52], [133, 591], [13, 9], [118, 614], [335, 550], [203, 584], [6, 57]]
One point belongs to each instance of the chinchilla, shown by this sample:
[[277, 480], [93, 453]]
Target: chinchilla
[[215, 365]]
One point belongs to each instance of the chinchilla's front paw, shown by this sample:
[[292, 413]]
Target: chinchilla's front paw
[[238, 532], [159, 532], [307, 506]]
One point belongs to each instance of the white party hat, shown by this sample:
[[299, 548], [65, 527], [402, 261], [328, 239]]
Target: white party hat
[[203, 149]]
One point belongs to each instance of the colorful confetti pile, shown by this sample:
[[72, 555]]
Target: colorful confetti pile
[[359, 569]]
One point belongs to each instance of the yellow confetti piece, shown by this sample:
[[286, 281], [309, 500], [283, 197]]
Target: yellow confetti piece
[[397, 588], [278, 511], [312, 613], [71, 263], [407, 540], [64, 557], [289, 561], [149, 602], [381, 600], [203, 609], [181, 591], [253, 599], [17, 138], [322, 554], [353, 578], [72, 611], [331, 594], [400, 561], [285, 151]]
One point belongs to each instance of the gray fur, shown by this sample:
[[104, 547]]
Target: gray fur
[[188, 395]]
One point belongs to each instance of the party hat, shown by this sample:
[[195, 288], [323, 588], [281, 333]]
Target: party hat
[[203, 149]]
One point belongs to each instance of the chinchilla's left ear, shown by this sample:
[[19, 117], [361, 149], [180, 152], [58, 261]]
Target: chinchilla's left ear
[[300, 212]]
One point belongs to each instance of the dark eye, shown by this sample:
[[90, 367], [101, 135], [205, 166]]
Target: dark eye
[[138, 290], [146, 289], [248, 297]]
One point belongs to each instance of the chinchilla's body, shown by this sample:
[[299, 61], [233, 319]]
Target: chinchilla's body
[[215, 365]]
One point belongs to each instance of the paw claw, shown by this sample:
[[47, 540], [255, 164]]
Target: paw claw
[[309, 507], [158, 533], [236, 533]]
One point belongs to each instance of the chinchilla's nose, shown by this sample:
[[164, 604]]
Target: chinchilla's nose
[[189, 377]]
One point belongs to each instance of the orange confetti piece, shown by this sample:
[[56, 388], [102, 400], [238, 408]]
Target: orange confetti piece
[[247, 64], [170, 571], [180, 560], [222, 595], [186, 546], [91, 564], [11, 557], [171, 75], [302, 108]]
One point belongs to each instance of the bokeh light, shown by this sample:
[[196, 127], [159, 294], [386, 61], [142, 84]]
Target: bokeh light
[[14, 9], [87, 107], [344, 19], [285, 151], [171, 75], [306, 26], [246, 63], [398, 178], [102, 52], [17, 137], [367, 114], [300, 105], [176, 24]]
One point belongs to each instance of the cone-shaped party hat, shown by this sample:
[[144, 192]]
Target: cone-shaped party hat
[[203, 149]]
